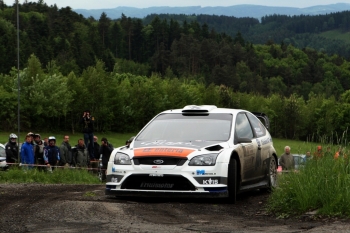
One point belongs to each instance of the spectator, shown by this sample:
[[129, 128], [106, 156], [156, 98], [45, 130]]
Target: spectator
[[287, 160], [105, 150], [27, 152], [39, 151], [308, 156], [339, 153], [80, 155], [94, 160], [318, 154], [11, 150], [51, 154], [88, 130], [65, 152], [328, 153], [46, 142]]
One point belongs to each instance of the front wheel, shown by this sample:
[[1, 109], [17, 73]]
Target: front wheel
[[232, 181], [272, 174]]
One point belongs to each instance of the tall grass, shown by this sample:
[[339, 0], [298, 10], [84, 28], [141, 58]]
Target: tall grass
[[322, 185], [58, 176]]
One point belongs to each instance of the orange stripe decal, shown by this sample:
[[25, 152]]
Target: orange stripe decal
[[162, 151]]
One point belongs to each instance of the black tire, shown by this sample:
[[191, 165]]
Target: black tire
[[272, 175], [232, 181]]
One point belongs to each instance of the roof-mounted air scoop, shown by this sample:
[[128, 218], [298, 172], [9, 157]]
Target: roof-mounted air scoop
[[198, 108]]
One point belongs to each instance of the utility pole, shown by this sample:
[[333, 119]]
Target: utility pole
[[18, 83]]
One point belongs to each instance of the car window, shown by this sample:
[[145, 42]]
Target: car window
[[243, 128], [258, 127], [178, 127], [2, 152]]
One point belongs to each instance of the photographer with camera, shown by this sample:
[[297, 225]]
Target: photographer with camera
[[88, 130]]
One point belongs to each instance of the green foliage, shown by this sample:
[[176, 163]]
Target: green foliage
[[58, 176], [321, 185]]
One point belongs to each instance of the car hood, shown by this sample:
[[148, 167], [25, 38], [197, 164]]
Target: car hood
[[174, 149]]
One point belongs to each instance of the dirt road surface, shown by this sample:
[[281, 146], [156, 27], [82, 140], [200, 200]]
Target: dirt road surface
[[85, 208]]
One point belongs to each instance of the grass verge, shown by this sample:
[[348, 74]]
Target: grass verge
[[58, 176], [322, 185]]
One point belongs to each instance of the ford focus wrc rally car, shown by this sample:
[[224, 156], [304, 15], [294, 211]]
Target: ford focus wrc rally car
[[197, 151]]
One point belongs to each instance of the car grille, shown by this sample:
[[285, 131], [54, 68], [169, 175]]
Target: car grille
[[165, 182], [165, 161]]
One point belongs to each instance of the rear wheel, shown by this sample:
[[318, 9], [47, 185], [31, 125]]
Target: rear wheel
[[232, 181]]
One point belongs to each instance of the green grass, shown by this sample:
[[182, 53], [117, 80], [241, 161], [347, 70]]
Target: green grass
[[58, 176], [322, 185], [297, 147]]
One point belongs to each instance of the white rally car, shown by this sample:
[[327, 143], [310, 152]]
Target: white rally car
[[197, 151]]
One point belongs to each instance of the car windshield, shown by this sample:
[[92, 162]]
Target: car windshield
[[178, 127]]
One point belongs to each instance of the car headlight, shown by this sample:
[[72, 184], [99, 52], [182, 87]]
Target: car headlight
[[122, 159], [203, 160]]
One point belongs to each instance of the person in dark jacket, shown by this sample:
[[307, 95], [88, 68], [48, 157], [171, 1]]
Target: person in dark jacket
[[39, 151], [105, 151], [65, 152], [88, 130], [80, 155], [94, 160], [287, 160], [11, 150], [51, 154]]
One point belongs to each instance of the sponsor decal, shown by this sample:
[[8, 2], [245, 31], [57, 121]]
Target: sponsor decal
[[211, 181], [200, 172], [156, 166], [156, 185], [113, 169], [163, 151], [166, 143], [266, 141], [157, 175]]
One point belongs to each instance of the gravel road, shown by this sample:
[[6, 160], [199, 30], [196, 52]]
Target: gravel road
[[85, 208]]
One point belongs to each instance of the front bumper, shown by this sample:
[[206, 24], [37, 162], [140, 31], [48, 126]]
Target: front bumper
[[166, 194]]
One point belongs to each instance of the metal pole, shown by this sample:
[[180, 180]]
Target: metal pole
[[18, 83]]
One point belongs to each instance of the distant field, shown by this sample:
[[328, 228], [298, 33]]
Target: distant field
[[336, 35]]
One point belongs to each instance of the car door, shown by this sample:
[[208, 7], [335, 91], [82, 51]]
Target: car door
[[264, 141], [244, 136]]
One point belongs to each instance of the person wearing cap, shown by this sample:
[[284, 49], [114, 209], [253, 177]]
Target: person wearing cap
[[88, 130], [65, 152], [11, 150], [318, 153], [287, 160], [105, 151], [51, 154], [39, 151], [27, 152]]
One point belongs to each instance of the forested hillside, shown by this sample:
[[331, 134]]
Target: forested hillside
[[126, 71]]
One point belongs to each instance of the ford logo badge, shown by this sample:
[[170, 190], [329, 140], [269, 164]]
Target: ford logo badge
[[158, 161]]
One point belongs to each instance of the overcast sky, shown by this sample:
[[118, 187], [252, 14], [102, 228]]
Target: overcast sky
[[102, 4]]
